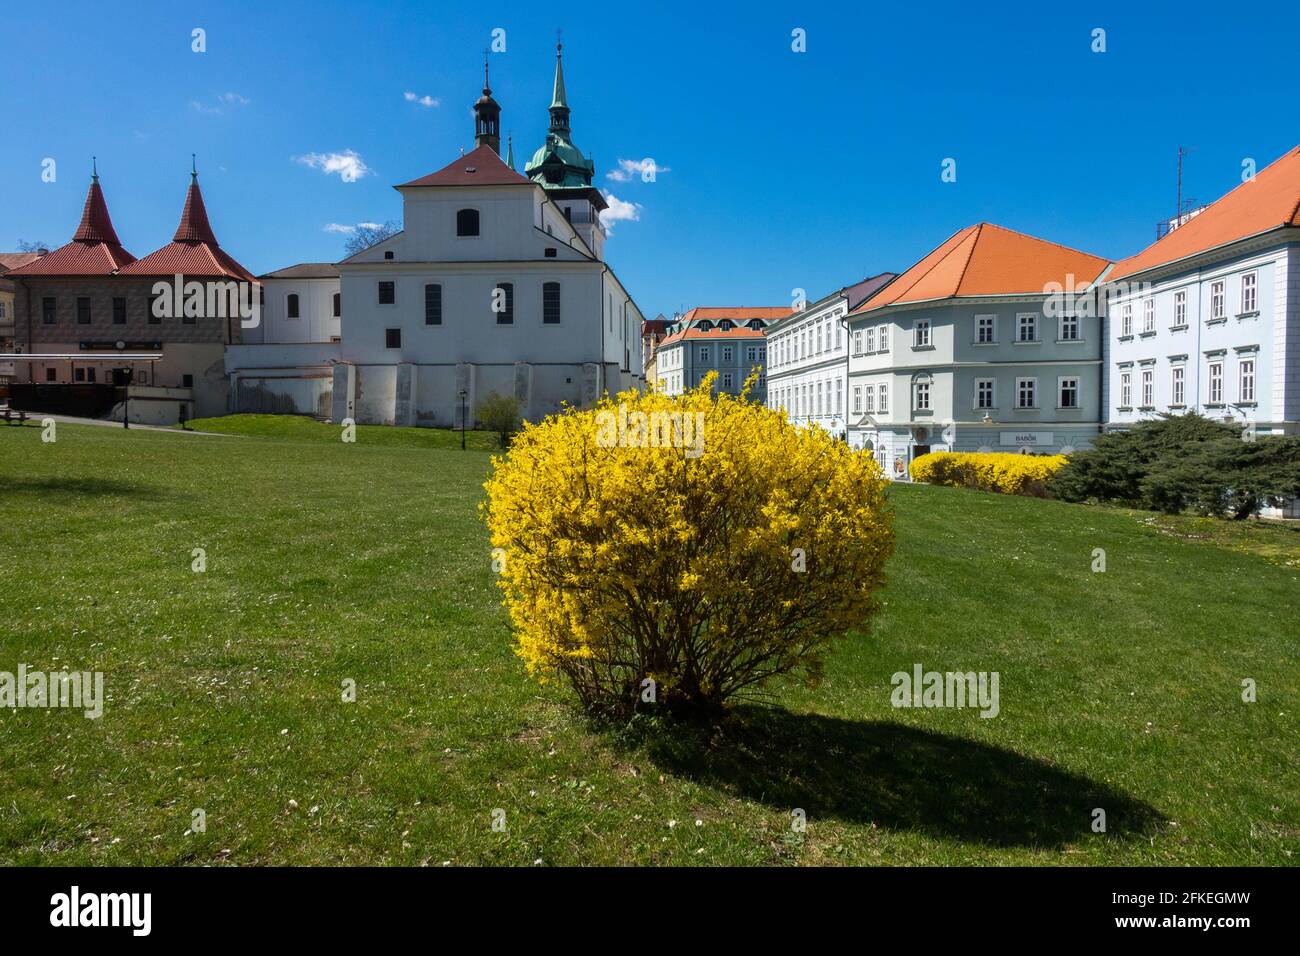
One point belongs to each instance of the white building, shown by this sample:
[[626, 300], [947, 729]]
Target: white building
[[729, 340], [973, 348], [495, 284], [1207, 319], [808, 357]]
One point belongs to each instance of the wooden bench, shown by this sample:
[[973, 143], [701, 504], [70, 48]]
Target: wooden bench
[[13, 417]]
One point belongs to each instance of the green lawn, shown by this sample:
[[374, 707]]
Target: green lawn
[[329, 562]]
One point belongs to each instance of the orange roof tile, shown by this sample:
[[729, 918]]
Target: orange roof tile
[[738, 314], [985, 259], [1269, 201]]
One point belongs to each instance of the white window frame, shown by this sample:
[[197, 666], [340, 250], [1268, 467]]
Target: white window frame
[[987, 323], [1061, 385], [857, 399], [1021, 382], [1032, 325], [1178, 385], [882, 338], [1148, 387], [921, 389], [1126, 320], [1069, 328], [1246, 379], [882, 398], [992, 384], [1180, 309], [1218, 300], [1249, 293], [1125, 389], [1214, 382], [1148, 315], [921, 334]]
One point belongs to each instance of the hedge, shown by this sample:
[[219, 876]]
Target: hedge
[[988, 471]]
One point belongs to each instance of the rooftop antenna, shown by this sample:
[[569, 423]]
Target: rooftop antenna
[[94, 169], [1181, 205], [194, 166]]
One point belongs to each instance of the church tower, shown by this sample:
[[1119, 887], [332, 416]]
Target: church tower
[[487, 117], [566, 175]]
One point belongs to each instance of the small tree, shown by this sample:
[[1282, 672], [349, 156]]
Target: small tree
[[677, 552], [370, 234], [500, 413]]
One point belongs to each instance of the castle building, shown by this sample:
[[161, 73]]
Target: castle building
[[85, 314], [496, 284]]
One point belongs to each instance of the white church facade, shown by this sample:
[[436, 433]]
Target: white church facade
[[496, 283]]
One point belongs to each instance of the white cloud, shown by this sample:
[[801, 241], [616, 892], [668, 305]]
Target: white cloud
[[224, 102], [619, 211], [640, 168], [348, 165], [428, 102], [348, 230]]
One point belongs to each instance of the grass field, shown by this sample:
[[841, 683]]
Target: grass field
[[329, 562]]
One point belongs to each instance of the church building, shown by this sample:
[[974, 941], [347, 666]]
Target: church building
[[496, 283]]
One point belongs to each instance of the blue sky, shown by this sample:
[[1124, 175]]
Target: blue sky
[[785, 169]]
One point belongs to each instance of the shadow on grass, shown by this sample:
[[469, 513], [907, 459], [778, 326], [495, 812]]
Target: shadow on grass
[[894, 776], [82, 486]]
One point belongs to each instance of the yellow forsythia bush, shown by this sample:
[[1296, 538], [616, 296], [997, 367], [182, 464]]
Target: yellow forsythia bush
[[989, 471], [673, 552]]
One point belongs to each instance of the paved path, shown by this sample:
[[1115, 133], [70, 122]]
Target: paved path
[[72, 420]]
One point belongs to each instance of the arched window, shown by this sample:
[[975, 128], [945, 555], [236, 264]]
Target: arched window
[[467, 222], [338, 305], [291, 306]]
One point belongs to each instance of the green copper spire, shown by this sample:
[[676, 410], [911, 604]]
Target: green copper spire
[[559, 101], [510, 150], [559, 163], [558, 95]]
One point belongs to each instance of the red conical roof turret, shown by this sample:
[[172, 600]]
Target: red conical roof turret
[[96, 224], [194, 225]]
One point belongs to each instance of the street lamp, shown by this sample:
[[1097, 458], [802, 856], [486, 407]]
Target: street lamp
[[463, 395]]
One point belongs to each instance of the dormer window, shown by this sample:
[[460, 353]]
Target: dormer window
[[725, 325], [467, 222], [755, 324], [705, 326]]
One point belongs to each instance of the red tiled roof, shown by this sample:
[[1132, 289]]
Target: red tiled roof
[[12, 260], [190, 259], [1269, 201], [985, 259], [93, 251], [737, 314], [194, 250], [479, 167]]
